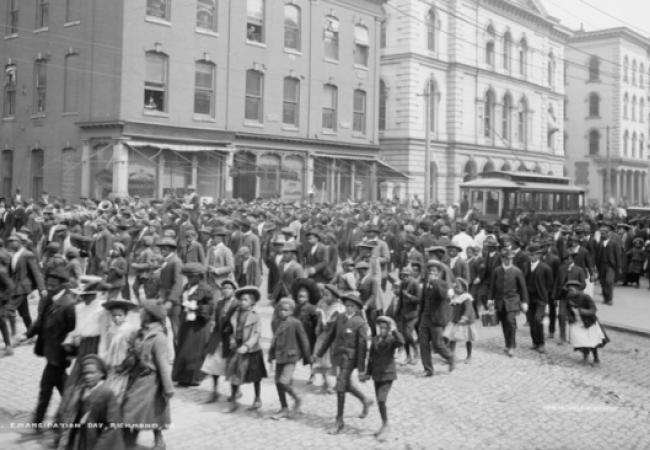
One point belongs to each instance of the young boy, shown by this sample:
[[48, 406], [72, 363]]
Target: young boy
[[348, 338], [381, 367], [289, 344]]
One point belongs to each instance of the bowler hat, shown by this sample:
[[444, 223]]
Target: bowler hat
[[574, 283]]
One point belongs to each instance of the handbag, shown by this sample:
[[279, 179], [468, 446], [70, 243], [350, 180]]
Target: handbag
[[489, 318]]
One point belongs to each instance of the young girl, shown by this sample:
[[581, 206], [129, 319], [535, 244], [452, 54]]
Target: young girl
[[328, 310], [306, 294], [585, 332], [461, 327], [247, 363], [289, 344], [381, 367], [113, 348]]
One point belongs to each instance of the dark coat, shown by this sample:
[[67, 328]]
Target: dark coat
[[575, 273], [348, 339], [171, 280], [308, 316], [435, 308], [584, 306], [610, 257], [381, 360], [508, 291], [408, 300], [522, 261], [290, 343], [26, 275], [52, 326], [222, 328], [319, 261], [540, 283]]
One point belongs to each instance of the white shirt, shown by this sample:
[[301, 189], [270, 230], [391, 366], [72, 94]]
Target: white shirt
[[533, 265], [16, 257]]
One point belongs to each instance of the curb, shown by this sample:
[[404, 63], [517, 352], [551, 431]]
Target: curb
[[626, 329]]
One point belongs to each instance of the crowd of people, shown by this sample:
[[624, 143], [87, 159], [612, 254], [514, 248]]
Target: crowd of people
[[350, 284]]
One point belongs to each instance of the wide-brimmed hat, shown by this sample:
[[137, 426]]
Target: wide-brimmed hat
[[624, 225], [249, 290], [310, 286], [436, 263], [436, 248], [155, 309], [348, 262], [387, 320], [456, 246], [574, 283], [278, 240], [490, 241], [406, 270], [333, 289], [352, 297], [366, 244], [193, 268], [119, 303], [167, 242], [290, 247], [220, 231], [362, 265], [316, 233], [463, 283], [230, 282], [288, 230]]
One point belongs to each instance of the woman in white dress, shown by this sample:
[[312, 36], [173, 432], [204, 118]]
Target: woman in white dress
[[585, 332]]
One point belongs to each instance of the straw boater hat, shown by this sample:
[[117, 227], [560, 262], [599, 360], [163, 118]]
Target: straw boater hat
[[230, 282]]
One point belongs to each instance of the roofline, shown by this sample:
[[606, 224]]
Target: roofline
[[610, 33]]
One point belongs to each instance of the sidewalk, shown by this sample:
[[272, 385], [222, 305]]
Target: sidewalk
[[630, 311]]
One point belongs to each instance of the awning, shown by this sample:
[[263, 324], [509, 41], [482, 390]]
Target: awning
[[384, 170], [177, 147]]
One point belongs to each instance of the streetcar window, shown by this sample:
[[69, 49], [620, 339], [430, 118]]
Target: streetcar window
[[464, 203], [478, 201], [492, 205], [547, 201]]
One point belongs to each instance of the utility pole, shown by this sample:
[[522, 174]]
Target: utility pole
[[608, 168], [427, 145]]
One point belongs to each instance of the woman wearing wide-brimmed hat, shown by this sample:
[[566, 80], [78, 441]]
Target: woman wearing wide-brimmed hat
[[194, 331]]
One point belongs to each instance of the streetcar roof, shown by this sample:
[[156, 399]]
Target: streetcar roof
[[501, 183]]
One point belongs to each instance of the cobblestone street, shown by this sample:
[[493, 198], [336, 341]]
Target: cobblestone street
[[531, 401]]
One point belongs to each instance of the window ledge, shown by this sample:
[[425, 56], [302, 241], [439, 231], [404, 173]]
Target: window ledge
[[11, 36], [359, 135], [594, 81], [156, 114], [158, 21], [256, 44], [200, 118], [69, 114], [206, 32], [292, 51], [9, 119], [38, 116], [360, 67], [41, 30], [329, 132], [331, 61], [593, 118], [72, 23], [252, 124], [290, 128]]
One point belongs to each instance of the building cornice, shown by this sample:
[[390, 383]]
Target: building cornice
[[312, 143], [611, 33], [517, 12]]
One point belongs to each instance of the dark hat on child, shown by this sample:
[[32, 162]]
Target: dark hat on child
[[155, 309]]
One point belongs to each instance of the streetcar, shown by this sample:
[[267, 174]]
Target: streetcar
[[501, 194]]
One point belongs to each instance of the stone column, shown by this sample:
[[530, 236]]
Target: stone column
[[85, 168], [160, 174], [309, 174], [353, 180], [120, 169], [373, 181], [614, 184], [195, 171], [227, 173]]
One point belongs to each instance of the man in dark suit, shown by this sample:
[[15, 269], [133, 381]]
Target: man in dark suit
[[171, 281], [509, 293], [539, 282], [317, 258], [53, 323], [491, 261], [609, 262], [26, 276], [520, 259], [435, 313]]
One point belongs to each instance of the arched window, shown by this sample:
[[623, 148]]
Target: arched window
[[206, 15], [594, 105], [331, 38], [292, 27], [626, 106], [633, 148], [522, 168], [431, 30], [361, 45], [469, 171], [382, 104], [626, 68], [523, 56], [432, 90], [641, 146], [506, 167], [633, 108], [550, 75], [488, 122], [507, 50], [634, 72], [489, 166], [626, 142], [641, 110], [641, 75], [489, 46], [594, 68], [506, 114], [9, 97], [522, 119]]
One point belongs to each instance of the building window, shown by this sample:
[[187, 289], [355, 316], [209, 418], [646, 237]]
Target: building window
[[634, 72], [522, 121], [594, 142], [641, 148], [155, 84], [507, 50], [204, 78], [633, 145], [633, 109], [641, 110], [488, 120], [551, 70], [505, 117], [40, 86], [359, 112], [489, 46], [641, 74], [383, 97], [594, 105], [626, 142], [626, 68], [361, 45], [37, 163], [626, 106], [206, 15], [72, 10], [9, 103], [255, 20], [292, 27], [330, 104], [71, 78], [42, 13], [383, 33], [431, 30], [159, 8], [12, 17], [432, 94], [523, 56], [331, 38], [254, 96], [7, 172], [594, 68], [291, 102]]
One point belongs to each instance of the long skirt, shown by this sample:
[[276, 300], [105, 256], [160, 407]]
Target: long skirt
[[246, 368], [457, 332], [215, 364], [144, 403], [118, 382], [587, 338], [192, 340]]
